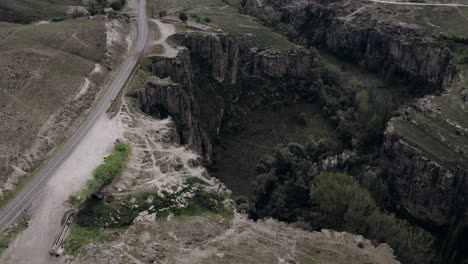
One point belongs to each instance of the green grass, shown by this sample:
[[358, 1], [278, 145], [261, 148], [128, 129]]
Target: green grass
[[81, 236], [227, 18], [426, 139], [121, 212], [27, 10], [104, 174], [40, 67], [99, 218]]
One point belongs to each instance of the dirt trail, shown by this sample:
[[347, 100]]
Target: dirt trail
[[165, 30]]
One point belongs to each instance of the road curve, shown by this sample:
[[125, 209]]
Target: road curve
[[418, 4], [24, 198]]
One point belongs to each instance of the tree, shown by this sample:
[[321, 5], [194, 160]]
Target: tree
[[303, 119], [116, 5], [183, 16], [362, 102], [162, 13], [344, 205], [93, 9], [102, 2]]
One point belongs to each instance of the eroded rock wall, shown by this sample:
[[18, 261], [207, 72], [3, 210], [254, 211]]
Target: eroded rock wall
[[424, 188], [171, 93], [227, 64], [345, 29], [229, 61], [429, 192]]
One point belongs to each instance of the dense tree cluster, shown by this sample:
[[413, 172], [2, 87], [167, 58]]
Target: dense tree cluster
[[292, 187]]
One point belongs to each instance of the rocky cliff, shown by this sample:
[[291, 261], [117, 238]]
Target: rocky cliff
[[429, 192], [171, 94], [424, 188], [226, 58], [351, 32], [210, 63]]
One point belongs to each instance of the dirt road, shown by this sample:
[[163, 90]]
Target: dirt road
[[165, 30]]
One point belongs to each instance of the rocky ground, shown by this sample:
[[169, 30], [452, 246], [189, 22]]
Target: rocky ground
[[213, 239]]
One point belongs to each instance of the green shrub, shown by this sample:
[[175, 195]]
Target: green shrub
[[81, 236], [116, 5], [183, 16], [162, 13], [303, 118], [104, 174]]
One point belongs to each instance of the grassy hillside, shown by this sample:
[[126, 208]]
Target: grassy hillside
[[41, 67], [29, 10], [217, 14]]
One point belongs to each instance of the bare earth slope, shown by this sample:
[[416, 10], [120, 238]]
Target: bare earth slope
[[50, 75]]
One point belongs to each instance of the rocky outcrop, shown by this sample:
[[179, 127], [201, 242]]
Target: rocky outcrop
[[429, 192], [425, 189], [219, 57], [220, 51], [173, 96], [389, 47], [227, 59]]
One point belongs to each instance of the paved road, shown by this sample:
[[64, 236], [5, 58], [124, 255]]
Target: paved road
[[419, 4], [24, 198]]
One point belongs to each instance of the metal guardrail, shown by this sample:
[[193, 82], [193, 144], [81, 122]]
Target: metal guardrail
[[56, 248]]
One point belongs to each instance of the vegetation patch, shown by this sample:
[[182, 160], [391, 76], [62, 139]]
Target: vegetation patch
[[104, 174], [219, 14], [121, 212], [292, 188], [344, 205], [30, 10], [99, 217], [81, 236]]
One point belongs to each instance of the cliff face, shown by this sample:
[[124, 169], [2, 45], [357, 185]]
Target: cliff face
[[386, 46], [425, 189], [173, 96], [227, 59], [226, 64], [428, 192]]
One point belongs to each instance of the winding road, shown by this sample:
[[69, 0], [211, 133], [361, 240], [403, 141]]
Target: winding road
[[28, 194], [419, 4]]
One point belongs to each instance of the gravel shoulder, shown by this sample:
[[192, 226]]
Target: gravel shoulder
[[32, 245]]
